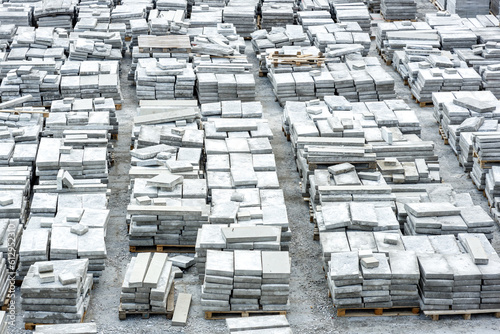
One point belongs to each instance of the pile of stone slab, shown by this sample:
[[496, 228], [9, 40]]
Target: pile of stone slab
[[130, 10], [468, 8], [165, 5], [279, 37], [66, 226], [70, 114], [205, 16], [166, 78], [79, 153], [64, 284], [490, 75], [398, 9], [20, 14], [446, 219], [413, 58], [314, 5], [25, 77], [246, 280], [457, 275], [3, 322], [430, 80], [148, 283], [91, 79], [486, 155], [314, 18], [343, 12], [83, 328], [214, 87], [237, 236], [163, 22], [364, 278], [492, 191], [463, 113], [241, 13], [274, 323], [345, 34], [89, 45], [393, 36], [58, 13], [277, 13]]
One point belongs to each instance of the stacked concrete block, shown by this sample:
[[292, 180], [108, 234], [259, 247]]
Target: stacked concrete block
[[447, 219], [205, 16], [242, 15], [49, 282], [237, 236], [485, 156], [96, 115], [148, 282], [20, 14], [275, 323], [398, 10], [351, 12], [82, 160], [468, 8], [163, 22], [55, 13], [417, 171], [290, 35], [344, 34], [167, 78], [88, 45], [490, 75], [277, 14], [91, 79], [246, 280], [130, 10]]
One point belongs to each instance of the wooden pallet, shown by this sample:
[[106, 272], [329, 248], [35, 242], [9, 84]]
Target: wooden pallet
[[443, 135], [31, 326], [163, 249], [216, 315], [122, 314], [118, 106], [422, 104], [262, 74], [466, 314], [6, 302], [377, 312]]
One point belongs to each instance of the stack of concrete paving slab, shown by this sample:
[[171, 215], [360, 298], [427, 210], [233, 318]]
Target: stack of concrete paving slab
[[130, 10], [165, 5], [277, 14], [275, 323], [148, 283], [492, 191], [486, 155], [95, 115], [392, 36], [162, 22], [49, 282], [339, 33], [89, 45], [83, 328], [25, 80], [444, 218], [246, 280], [351, 12], [279, 37], [468, 8], [314, 18], [314, 5], [398, 9], [58, 13], [83, 156], [490, 75], [20, 14], [236, 236], [433, 80], [242, 14], [205, 16], [91, 79]]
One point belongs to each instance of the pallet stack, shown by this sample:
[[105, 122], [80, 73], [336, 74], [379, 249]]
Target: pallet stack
[[398, 9]]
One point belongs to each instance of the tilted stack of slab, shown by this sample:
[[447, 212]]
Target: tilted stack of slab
[[246, 280], [130, 10], [340, 34], [161, 22], [148, 284], [20, 14], [279, 37], [96, 45], [490, 75], [236, 236], [50, 282], [486, 155], [313, 18]]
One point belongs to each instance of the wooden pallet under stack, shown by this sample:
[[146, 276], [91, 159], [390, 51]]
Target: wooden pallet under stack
[[466, 314], [216, 315], [122, 314], [298, 59]]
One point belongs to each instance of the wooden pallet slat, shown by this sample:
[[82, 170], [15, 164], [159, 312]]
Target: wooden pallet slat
[[466, 314], [373, 312]]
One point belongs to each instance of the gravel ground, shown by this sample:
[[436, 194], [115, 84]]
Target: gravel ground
[[311, 310]]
